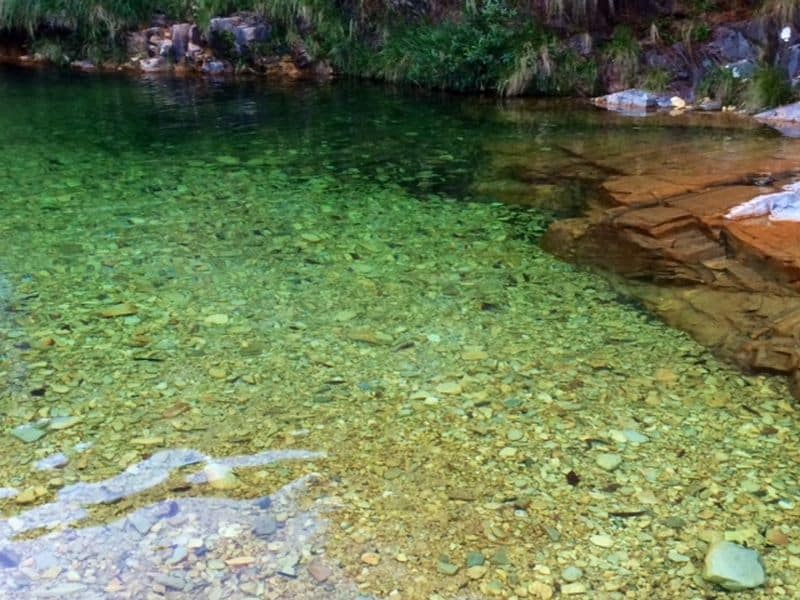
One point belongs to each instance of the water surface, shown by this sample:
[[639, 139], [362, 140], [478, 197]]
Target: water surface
[[226, 270]]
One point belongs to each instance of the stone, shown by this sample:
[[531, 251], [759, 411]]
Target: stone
[[514, 435], [573, 589], [608, 461], [475, 559], [370, 558], [265, 526], [476, 572], [220, 318], [602, 540], [627, 99], [119, 310], [27, 433], [445, 567], [571, 574], [220, 477], [181, 35], [733, 567], [540, 590], [319, 571], [54, 461], [65, 422]]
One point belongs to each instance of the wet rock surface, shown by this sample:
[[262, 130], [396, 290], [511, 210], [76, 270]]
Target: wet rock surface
[[663, 226]]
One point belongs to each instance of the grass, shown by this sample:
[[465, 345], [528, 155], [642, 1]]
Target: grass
[[769, 87]]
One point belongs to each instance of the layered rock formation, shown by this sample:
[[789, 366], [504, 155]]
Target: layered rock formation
[[733, 285]]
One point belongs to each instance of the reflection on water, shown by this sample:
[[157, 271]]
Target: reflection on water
[[193, 547]]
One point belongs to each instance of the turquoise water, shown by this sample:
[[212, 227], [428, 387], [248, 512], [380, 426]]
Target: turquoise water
[[241, 271]]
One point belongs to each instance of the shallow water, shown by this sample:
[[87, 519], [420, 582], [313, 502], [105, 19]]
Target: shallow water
[[194, 270]]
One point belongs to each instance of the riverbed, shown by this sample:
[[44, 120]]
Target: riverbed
[[304, 341]]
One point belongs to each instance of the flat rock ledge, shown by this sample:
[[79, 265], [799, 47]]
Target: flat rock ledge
[[734, 285]]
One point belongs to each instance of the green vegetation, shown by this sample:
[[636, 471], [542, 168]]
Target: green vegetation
[[490, 49], [509, 47], [768, 87], [722, 85], [622, 54], [656, 80]]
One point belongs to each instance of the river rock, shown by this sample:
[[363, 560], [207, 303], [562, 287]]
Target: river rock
[[27, 433], [609, 462], [733, 567], [627, 99], [157, 64]]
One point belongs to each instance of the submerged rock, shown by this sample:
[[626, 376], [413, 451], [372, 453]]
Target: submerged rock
[[733, 567]]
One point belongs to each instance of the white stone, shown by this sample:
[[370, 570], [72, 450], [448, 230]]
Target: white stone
[[733, 567]]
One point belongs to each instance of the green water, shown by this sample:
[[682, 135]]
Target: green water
[[242, 268]]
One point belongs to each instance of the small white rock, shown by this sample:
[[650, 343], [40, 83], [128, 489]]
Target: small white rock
[[602, 540]]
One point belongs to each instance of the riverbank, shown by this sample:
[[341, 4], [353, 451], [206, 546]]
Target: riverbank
[[718, 55]]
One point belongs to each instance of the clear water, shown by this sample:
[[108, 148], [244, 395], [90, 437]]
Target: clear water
[[199, 274]]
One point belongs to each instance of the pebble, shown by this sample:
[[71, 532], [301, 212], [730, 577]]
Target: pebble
[[674, 522], [178, 555], [571, 574], [29, 495], [508, 452], [446, 567], [635, 437], [477, 571], [220, 477], [540, 590], [609, 462], [602, 540], [514, 435], [58, 423], [370, 558], [119, 310], [141, 523], [266, 526], [449, 387], [217, 319], [169, 581], [475, 559], [319, 571], [27, 433], [54, 461], [573, 589], [733, 567]]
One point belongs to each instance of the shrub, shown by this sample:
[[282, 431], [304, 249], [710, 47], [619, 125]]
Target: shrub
[[721, 84], [768, 87]]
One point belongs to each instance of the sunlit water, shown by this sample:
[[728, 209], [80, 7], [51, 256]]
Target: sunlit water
[[194, 270]]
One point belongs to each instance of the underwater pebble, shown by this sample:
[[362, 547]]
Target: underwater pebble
[[216, 319], [733, 567], [602, 540], [54, 461], [571, 574], [609, 462], [370, 558], [27, 433]]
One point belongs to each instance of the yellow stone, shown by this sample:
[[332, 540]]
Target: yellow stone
[[370, 558], [240, 560], [119, 310]]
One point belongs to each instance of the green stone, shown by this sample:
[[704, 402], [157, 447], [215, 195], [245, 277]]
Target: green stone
[[27, 433]]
